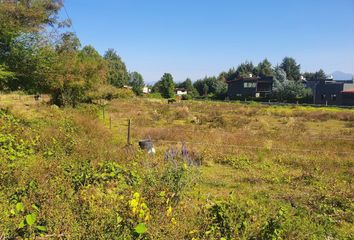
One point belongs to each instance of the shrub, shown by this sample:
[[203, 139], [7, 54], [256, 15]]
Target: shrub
[[182, 112], [187, 97], [177, 176], [154, 95], [225, 220], [216, 120], [13, 142], [238, 162], [273, 228], [109, 92]]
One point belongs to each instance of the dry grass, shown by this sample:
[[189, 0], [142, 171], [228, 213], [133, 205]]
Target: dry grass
[[273, 155], [298, 158]]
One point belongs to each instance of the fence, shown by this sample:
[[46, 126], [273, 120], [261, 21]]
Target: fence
[[238, 146]]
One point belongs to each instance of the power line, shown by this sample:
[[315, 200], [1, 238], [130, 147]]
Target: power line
[[317, 136], [71, 22], [256, 147]]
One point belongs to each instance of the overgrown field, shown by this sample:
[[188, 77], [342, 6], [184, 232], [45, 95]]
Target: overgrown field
[[221, 171]]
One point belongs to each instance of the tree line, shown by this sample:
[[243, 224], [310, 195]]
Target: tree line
[[286, 76], [38, 55]]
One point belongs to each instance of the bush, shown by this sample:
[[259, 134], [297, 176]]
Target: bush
[[155, 95], [68, 96], [109, 92], [273, 228], [225, 220], [238, 162], [182, 112], [187, 97]]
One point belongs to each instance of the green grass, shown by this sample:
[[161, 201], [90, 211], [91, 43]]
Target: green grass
[[257, 179]]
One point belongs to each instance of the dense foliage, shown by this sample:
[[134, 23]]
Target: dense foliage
[[316, 75], [117, 71], [166, 86], [136, 81], [212, 87], [291, 68], [37, 55], [285, 89]]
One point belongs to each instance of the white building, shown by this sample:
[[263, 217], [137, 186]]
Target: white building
[[146, 90], [181, 91]]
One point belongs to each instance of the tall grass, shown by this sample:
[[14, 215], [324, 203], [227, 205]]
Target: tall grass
[[221, 171]]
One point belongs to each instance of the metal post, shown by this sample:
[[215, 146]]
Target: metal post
[[129, 125], [314, 92]]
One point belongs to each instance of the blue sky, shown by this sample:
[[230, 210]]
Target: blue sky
[[195, 38]]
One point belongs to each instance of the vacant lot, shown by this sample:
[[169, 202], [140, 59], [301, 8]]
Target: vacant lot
[[221, 170]]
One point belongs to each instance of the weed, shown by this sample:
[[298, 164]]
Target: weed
[[273, 228]]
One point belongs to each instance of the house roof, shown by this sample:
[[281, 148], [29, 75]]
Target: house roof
[[330, 80], [251, 79], [319, 79], [348, 91]]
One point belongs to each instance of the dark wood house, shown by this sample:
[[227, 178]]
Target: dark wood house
[[348, 97], [249, 87], [331, 92]]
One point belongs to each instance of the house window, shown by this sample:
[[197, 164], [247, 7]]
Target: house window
[[249, 84], [334, 97]]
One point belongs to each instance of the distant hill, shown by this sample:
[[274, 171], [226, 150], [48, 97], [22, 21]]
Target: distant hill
[[338, 75]]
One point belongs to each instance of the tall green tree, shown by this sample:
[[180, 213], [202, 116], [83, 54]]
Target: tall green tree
[[76, 72], [165, 86], [229, 75], [265, 69], [17, 17], [136, 81], [68, 42], [30, 60], [67, 85], [316, 75], [92, 67], [291, 68], [117, 72], [205, 86], [22, 46], [245, 69], [212, 86], [285, 89]]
